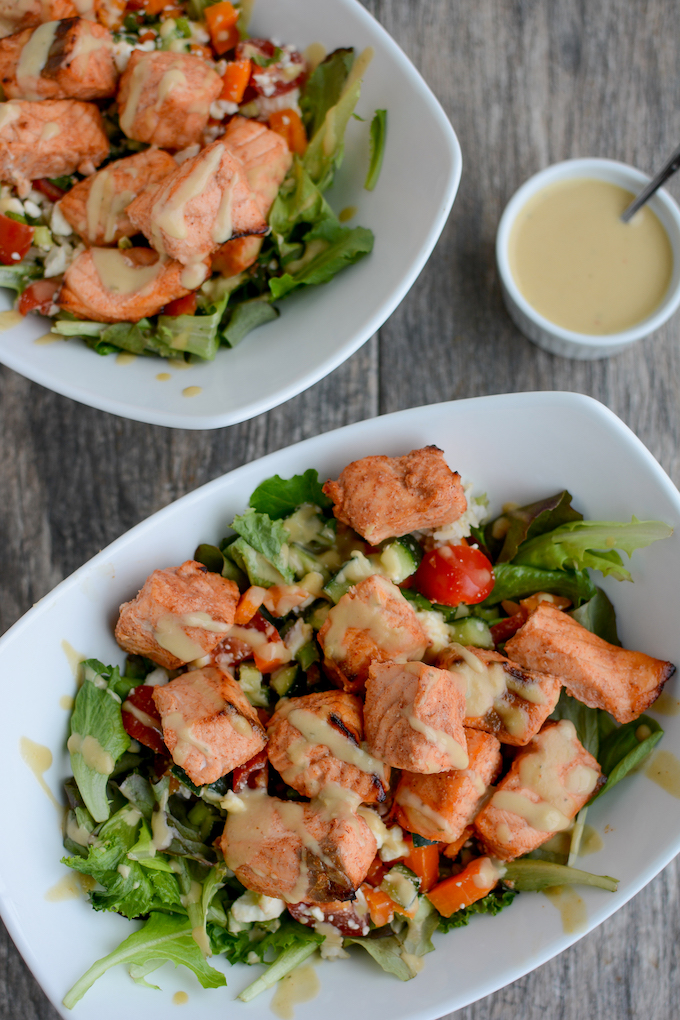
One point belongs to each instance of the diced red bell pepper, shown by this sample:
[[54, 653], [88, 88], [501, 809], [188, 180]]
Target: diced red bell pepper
[[39, 296], [182, 305], [252, 773], [145, 726], [504, 629], [15, 240]]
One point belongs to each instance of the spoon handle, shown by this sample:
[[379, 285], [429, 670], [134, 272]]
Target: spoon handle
[[666, 171]]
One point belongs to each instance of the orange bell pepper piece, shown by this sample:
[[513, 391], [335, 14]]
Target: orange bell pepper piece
[[248, 605], [287, 123], [472, 884], [154, 6], [236, 78], [424, 860], [380, 905], [221, 19]]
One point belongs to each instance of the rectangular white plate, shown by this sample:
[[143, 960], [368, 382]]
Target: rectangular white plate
[[513, 447], [320, 328]]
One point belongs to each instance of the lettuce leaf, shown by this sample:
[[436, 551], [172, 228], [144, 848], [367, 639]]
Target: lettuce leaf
[[163, 937], [326, 148], [324, 88], [267, 537], [377, 143], [296, 941], [247, 316], [515, 581], [332, 247], [586, 720], [98, 737], [625, 748], [527, 874], [598, 616], [387, 951], [580, 544], [261, 940], [527, 522], [18, 277], [279, 497]]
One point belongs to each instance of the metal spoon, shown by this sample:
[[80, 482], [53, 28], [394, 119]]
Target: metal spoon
[[666, 171]]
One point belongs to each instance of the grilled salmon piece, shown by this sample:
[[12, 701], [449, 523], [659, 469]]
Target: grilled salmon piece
[[110, 285], [265, 156], [180, 614], [316, 852], [548, 783], [49, 139], [71, 59], [413, 717], [164, 98], [385, 497], [502, 697], [205, 201], [209, 726], [622, 682], [95, 207], [19, 14], [235, 256], [372, 622], [316, 740], [442, 805]]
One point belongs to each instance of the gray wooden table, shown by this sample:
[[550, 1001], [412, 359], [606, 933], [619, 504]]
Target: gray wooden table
[[525, 83]]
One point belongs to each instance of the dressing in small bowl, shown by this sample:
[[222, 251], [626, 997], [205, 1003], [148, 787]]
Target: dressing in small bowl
[[575, 278]]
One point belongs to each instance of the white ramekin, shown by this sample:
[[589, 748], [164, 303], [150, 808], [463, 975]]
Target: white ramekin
[[540, 330]]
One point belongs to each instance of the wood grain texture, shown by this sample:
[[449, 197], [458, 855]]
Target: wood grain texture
[[525, 83]]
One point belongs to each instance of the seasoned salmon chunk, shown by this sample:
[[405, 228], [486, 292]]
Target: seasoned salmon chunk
[[235, 256], [112, 285], [317, 852], [548, 783], [372, 622], [95, 207], [265, 157], [48, 139], [204, 202], [501, 696], [413, 717], [18, 14], [164, 98], [601, 675], [385, 497], [180, 614], [316, 740], [71, 59], [441, 806], [209, 726]]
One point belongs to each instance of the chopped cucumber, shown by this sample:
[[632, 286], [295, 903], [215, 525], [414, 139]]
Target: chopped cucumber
[[400, 558], [307, 654], [316, 615], [307, 526], [250, 682], [471, 631], [358, 568], [283, 679], [402, 885], [303, 562]]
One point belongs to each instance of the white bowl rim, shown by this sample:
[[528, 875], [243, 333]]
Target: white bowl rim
[[564, 171], [109, 401]]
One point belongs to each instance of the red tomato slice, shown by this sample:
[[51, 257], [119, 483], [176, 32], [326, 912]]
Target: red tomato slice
[[39, 296], [144, 725], [15, 240], [182, 305], [49, 189], [454, 573], [252, 773]]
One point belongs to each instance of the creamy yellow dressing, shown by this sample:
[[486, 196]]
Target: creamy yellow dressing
[[300, 985], [580, 266], [664, 770], [573, 910]]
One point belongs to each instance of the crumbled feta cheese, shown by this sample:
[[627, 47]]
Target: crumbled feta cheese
[[232, 803], [122, 50], [254, 906], [220, 68], [31, 208], [222, 108], [331, 947], [472, 518], [262, 107], [212, 133], [56, 260], [11, 204], [167, 28], [436, 629], [157, 677], [201, 37], [298, 635], [59, 224], [252, 958]]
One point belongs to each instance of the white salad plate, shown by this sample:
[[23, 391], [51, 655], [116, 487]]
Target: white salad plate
[[513, 447], [321, 327]]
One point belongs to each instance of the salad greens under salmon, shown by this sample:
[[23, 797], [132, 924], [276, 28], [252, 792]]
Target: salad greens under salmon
[[368, 714], [163, 173]]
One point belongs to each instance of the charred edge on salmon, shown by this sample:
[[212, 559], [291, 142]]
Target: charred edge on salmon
[[59, 49], [336, 721], [327, 882]]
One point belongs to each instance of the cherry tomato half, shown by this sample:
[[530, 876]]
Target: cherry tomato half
[[15, 240], [454, 573], [145, 725], [39, 296], [182, 305]]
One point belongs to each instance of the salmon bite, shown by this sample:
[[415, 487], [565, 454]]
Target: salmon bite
[[305, 751]]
